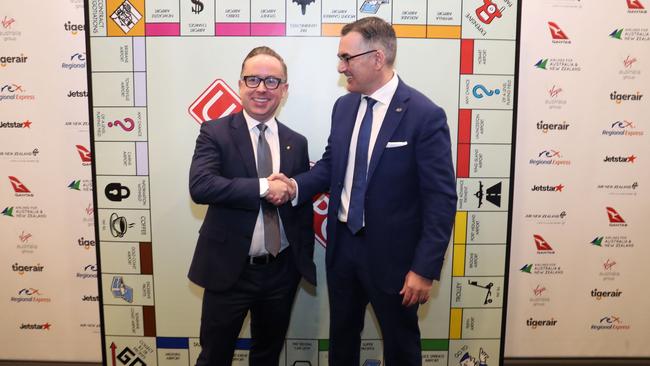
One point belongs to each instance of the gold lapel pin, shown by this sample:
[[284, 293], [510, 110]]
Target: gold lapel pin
[[398, 109]]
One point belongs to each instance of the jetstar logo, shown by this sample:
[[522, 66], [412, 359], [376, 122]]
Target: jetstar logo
[[543, 247], [34, 326], [84, 154], [19, 187], [615, 219], [547, 188], [619, 159], [557, 34], [15, 124]]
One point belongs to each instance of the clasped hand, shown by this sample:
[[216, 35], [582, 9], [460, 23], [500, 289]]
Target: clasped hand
[[281, 189]]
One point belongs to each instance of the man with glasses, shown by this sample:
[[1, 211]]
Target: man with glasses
[[250, 254], [389, 172]]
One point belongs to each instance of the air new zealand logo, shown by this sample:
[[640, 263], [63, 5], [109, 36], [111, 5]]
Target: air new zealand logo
[[493, 194]]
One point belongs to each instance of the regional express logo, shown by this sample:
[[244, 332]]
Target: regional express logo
[[30, 295], [217, 101], [550, 157], [609, 323], [623, 128]]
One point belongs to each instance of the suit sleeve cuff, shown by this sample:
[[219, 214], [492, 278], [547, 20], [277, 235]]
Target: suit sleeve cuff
[[294, 201]]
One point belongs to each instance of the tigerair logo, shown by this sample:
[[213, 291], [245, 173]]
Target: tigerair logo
[[541, 323], [35, 326], [619, 98], [546, 126], [557, 34], [6, 60], [85, 243], [547, 188], [549, 157], [74, 29], [601, 294], [22, 269], [543, 247], [620, 159], [15, 124], [623, 128], [610, 322]]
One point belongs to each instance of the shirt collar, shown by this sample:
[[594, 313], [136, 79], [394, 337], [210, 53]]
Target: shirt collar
[[271, 124], [386, 92]]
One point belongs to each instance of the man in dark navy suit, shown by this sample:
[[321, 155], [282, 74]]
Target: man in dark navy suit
[[250, 255], [388, 168]]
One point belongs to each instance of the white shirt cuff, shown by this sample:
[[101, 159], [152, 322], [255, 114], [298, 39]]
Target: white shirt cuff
[[294, 201], [264, 187]]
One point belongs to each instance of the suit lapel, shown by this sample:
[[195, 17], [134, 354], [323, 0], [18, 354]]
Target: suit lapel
[[286, 150], [394, 114], [241, 137]]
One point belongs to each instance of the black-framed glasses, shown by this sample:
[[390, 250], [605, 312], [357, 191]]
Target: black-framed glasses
[[347, 58], [270, 82]]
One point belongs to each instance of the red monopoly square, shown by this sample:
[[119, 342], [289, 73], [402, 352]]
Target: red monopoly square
[[217, 101]]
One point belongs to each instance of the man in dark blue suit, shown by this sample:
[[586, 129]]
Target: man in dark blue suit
[[250, 255], [388, 168]]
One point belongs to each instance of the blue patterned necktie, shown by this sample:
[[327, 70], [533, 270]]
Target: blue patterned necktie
[[359, 180]]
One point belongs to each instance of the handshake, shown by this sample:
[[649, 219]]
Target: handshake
[[281, 189]]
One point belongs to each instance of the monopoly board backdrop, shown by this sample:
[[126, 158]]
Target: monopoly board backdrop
[[579, 233], [49, 294], [160, 68]]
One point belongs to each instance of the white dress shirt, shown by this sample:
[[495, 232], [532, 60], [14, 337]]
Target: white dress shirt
[[271, 134], [383, 96]]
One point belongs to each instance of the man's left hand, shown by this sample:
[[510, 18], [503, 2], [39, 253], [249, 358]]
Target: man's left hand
[[416, 289]]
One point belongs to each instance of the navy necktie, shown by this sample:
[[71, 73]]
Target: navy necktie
[[359, 179]]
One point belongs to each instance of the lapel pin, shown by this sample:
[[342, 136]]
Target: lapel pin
[[398, 109], [288, 147]]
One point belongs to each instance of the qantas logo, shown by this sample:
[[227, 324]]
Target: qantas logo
[[543, 247], [556, 31], [84, 154], [19, 187], [634, 5], [614, 217]]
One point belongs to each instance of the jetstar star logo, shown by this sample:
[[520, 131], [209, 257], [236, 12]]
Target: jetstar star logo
[[34, 326], [547, 188], [620, 159]]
